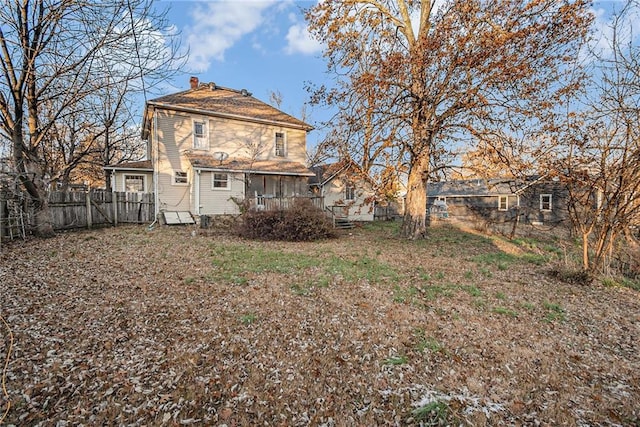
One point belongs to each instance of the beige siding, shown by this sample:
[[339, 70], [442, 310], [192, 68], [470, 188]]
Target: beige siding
[[174, 132], [254, 140], [358, 209], [218, 201], [174, 136]]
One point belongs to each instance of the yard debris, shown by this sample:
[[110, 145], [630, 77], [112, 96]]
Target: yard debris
[[126, 326]]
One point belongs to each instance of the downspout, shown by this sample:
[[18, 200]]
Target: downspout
[[156, 174]]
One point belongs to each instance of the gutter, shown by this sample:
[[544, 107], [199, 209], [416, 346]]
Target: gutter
[[251, 171]]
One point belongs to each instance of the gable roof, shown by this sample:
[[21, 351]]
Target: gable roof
[[325, 173], [471, 188], [481, 187], [212, 100], [246, 165]]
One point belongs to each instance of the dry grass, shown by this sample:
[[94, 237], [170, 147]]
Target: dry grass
[[174, 327]]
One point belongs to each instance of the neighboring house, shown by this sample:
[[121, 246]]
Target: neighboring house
[[535, 200], [345, 190], [211, 147]]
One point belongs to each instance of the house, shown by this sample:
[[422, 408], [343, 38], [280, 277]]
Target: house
[[534, 201], [345, 190], [210, 148]]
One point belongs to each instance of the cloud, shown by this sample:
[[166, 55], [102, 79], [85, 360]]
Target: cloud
[[603, 29], [217, 26], [299, 41]]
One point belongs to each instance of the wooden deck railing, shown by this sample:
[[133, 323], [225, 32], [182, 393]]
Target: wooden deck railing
[[278, 203]]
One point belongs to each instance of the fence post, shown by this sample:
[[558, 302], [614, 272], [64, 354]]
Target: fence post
[[114, 205], [87, 199], [2, 204]]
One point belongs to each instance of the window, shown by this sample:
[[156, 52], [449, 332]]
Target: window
[[280, 148], [221, 181], [503, 203], [134, 183], [200, 138], [180, 178], [545, 202], [349, 192]]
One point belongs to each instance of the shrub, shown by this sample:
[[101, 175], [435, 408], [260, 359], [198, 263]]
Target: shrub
[[571, 276], [300, 222]]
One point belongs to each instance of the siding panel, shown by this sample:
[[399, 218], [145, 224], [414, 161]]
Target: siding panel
[[219, 202]]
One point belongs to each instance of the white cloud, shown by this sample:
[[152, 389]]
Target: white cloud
[[603, 29], [217, 26], [300, 41]]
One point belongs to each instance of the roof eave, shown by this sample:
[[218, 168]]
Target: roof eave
[[251, 171], [116, 168], [305, 127]]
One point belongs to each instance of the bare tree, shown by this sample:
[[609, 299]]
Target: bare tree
[[601, 159], [55, 55], [440, 74]]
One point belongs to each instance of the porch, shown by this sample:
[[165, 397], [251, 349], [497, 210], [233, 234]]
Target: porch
[[271, 203]]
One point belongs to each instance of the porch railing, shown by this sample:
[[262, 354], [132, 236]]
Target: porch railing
[[266, 203]]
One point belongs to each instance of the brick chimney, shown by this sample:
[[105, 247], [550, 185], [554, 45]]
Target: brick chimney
[[193, 81]]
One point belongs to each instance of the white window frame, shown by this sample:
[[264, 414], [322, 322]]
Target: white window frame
[[131, 175], [180, 177], [277, 152], [213, 181], [201, 142], [543, 203], [506, 203], [349, 188]]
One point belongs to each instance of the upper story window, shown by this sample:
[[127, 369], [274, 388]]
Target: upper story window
[[349, 192], [220, 181], [503, 203], [200, 135], [280, 144], [134, 183], [545, 202], [180, 178]]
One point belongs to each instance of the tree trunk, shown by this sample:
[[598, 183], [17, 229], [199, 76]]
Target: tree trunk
[[30, 178], [414, 225], [44, 221], [585, 251], [107, 180]]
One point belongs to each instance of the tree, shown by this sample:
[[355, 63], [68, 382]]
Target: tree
[[600, 162], [55, 56], [436, 75]]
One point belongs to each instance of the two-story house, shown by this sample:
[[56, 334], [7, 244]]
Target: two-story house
[[211, 147]]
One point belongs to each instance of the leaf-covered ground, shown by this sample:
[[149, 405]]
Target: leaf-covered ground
[[177, 326]]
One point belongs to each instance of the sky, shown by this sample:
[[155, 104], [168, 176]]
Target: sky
[[264, 46]]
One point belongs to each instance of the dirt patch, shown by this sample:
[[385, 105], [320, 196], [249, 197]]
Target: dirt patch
[[162, 327]]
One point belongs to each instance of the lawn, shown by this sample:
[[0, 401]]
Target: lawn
[[179, 326]]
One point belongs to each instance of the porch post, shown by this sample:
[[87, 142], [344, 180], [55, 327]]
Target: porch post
[[196, 189]]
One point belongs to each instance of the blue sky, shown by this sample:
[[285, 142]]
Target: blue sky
[[263, 46]]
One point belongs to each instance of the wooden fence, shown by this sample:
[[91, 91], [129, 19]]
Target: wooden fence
[[77, 209]]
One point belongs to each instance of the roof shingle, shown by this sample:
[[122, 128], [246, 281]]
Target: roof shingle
[[140, 164], [239, 164], [219, 101]]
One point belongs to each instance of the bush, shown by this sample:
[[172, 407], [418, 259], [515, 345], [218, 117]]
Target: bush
[[572, 276], [301, 222]]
